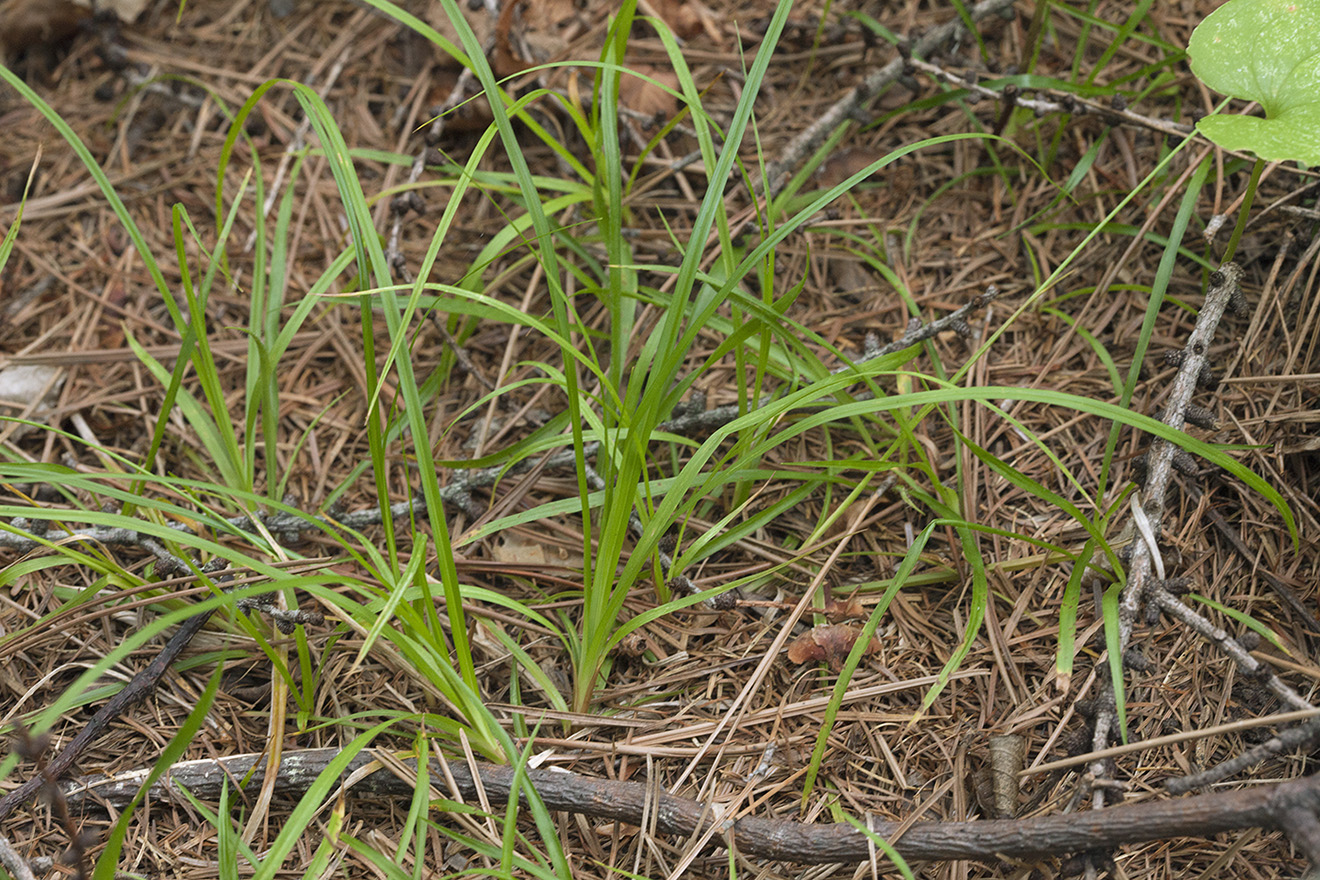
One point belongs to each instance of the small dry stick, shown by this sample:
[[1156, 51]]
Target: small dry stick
[[802, 145], [138, 688], [1225, 292], [1225, 285], [13, 862], [709, 419], [32, 748], [1065, 103], [1248, 665], [134, 692], [1285, 741]]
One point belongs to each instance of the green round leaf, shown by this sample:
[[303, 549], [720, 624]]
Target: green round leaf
[[1266, 51]]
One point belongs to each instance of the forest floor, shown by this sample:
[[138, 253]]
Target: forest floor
[[714, 703]]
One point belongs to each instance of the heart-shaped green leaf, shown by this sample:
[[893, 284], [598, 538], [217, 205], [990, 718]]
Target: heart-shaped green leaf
[[1266, 51]]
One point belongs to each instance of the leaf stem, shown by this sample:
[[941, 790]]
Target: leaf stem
[[1246, 209]]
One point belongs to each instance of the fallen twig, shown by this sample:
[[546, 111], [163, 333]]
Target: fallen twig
[[13, 862], [1145, 568], [862, 93], [137, 689], [1272, 806], [1146, 587], [1064, 102], [1304, 614]]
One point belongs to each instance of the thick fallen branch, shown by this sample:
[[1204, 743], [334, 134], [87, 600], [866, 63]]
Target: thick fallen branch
[[1279, 806], [138, 689]]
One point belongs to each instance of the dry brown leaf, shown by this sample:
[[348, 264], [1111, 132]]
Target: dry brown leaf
[[470, 115], [515, 549], [124, 10], [829, 642], [839, 610], [683, 16], [845, 164], [645, 97], [36, 24], [504, 60]]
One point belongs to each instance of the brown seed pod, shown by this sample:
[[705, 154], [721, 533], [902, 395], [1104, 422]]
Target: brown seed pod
[[1135, 660], [682, 585], [1206, 378], [1140, 468], [1177, 586], [723, 602], [407, 201], [1201, 417], [1237, 301], [1185, 463]]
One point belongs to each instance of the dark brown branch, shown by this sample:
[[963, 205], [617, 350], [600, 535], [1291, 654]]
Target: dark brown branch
[[1272, 807], [138, 689], [1304, 614], [32, 748], [1295, 737]]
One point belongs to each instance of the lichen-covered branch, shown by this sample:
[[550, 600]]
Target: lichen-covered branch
[[1273, 806]]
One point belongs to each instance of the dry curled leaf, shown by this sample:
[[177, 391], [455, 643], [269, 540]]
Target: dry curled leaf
[[1008, 755], [839, 610], [124, 10], [829, 642], [515, 549], [684, 17], [33, 24], [645, 96]]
